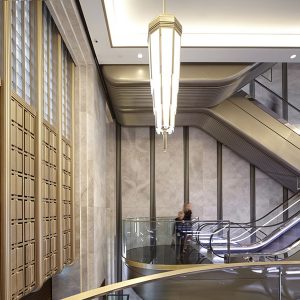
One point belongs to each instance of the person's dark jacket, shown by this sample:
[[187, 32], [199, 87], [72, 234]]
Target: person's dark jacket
[[188, 215], [178, 227]]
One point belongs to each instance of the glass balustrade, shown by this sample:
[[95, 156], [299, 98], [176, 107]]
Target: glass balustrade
[[162, 241]]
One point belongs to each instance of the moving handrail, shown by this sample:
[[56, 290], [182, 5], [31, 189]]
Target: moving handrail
[[251, 228], [257, 246]]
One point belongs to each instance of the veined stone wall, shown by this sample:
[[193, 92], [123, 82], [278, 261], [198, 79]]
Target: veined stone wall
[[169, 178]]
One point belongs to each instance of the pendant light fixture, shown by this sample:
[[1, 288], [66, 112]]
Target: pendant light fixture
[[164, 42]]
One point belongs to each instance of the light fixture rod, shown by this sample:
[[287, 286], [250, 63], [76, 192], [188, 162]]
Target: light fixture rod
[[165, 141], [164, 6]]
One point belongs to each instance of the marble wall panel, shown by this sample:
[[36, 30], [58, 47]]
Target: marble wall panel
[[96, 161], [135, 170], [111, 200], [269, 194], [203, 174], [236, 187], [169, 174], [91, 198]]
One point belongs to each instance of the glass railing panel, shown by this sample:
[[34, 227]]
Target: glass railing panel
[[251, 237], [157, 242], [272, 79], [268, 92]]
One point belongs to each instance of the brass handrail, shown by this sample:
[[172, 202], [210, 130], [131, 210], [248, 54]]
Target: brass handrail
[[170, 274]]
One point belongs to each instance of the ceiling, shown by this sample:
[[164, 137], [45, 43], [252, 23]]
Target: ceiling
[[213, 31]]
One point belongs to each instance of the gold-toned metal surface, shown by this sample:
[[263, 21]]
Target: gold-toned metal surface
[[165, 20], [171, 274], [66, 158], [73, 162], [49, 200], [28, 107], [201, 85], [38, 146], [5, 186], [59, 154], [237, 123], [66, 202]]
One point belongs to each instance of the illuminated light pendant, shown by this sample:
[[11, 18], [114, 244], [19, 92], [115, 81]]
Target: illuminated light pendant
[[164, 43]]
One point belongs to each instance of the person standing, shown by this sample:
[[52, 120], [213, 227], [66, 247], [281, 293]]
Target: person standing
[[179, 233], [187, 209]]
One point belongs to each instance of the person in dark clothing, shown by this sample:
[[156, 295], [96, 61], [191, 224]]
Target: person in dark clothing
[[187, 209], [178, 231]]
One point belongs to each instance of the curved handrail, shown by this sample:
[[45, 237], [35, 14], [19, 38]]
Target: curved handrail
[[264, 225], [171, 274], [261, 218], [268, 213]]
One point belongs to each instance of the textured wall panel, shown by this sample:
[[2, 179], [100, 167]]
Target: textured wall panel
[[169, 174], [135, 172], [203, 174], [50, 205], [269, 194], [22, 200], [236, 187], [66, 202]]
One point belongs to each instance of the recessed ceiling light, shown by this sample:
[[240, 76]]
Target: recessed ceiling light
[[293, 56], [140, 55]]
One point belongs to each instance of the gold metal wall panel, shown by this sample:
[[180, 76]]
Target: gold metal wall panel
[[31, 249], [67, 203], [22, 201], [49, 199]]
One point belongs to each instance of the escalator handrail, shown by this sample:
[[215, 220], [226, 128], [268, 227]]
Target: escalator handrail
[[243, 225], [275, 94], [271, 237], [281, 204], [261, 218], [265, 225]]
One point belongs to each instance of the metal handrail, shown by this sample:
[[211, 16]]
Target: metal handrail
[[275, 94], [102, 291]]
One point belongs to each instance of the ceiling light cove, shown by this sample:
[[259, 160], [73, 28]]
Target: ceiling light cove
[[127, 22]]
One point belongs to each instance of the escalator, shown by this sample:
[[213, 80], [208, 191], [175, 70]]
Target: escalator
[[205, 101], [252, 133], [270, 237]]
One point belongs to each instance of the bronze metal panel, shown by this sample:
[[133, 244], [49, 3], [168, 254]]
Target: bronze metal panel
[[201, 85], [239, 124]]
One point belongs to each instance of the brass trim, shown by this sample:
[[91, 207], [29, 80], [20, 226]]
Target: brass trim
[[5, 116], [38, 146], [21, 101], [72, 160], [59, 155], [170, 274], [66, 140], [165, 20], [49, 126]]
